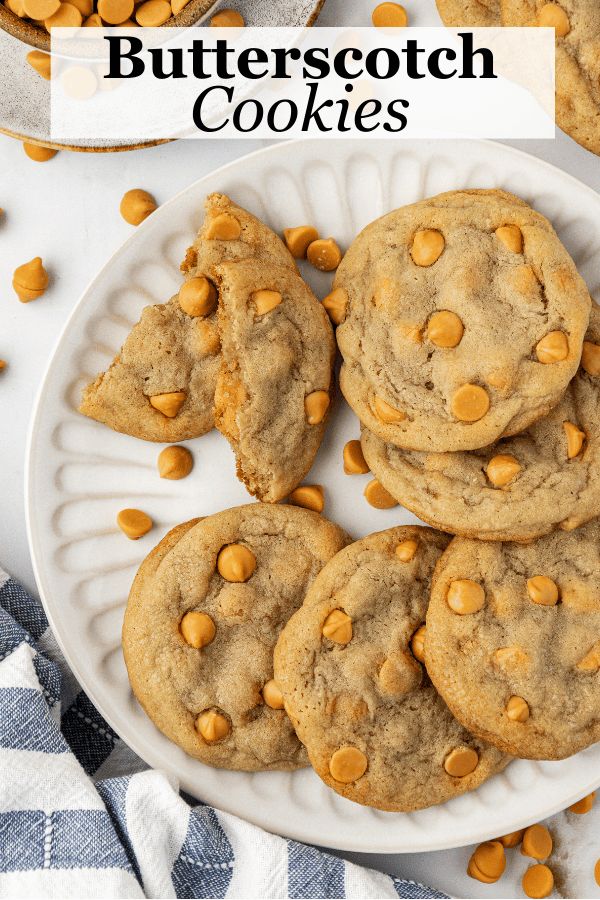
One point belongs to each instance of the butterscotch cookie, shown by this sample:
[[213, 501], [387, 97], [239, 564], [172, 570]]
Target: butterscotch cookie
[[349, 664], [161, 386], [513, 641], [274, 385], [203, 616], [577, 30], [464, 322], [545, 478], [473, 13]]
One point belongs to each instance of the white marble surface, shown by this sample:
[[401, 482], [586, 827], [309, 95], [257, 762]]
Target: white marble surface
[[67, 212]]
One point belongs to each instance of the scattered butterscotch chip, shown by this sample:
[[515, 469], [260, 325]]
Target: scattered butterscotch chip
[[470, 403], [389, 15], [178, 5], [316, 406], [502, 469], [461, 762], [445, 329], [66, 16], [597, 872], [324, 254], [30, 280], [590, 358], [153, 13], [197, 296], [222, 227], [387, 413], [591, 660], [41, 62], [376, 495], [538, 882], [510, 658], [335, 304], [348, 764], [175, 463], [406, 550], [272, 694], [511, 236], [552, 348], [94, 21], [575, 439], [465, 597], [584, 805], [517, 709], [39, 10], [134, 523], [338, 627], [227, 18], [297, 239], [309, 496], [198, 629], [38, 153], [427, 247], [513, 839], [417, 643], [487, 862], [537, 842], [236, 563], [168, 404], [543, 590], [265, 300], [551, 15], [354, 460], [212, 725], [136, 205]]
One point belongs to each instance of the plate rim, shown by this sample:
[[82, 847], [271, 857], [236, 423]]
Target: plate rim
[[149, 755]]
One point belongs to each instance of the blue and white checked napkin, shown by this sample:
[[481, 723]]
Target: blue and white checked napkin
[[82, 816]]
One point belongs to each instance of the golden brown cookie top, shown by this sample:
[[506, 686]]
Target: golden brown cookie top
[[464, 321], [473, 13]]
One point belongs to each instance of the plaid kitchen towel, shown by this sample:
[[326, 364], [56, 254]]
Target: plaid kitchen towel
[[82, 816]]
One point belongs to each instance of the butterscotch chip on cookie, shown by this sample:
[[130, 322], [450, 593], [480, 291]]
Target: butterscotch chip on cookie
[[274, 386], [348, 665], [546, 478], [576, 26], [202, 619], [161, 386], [473, 13], [521, 669], [464, 321]]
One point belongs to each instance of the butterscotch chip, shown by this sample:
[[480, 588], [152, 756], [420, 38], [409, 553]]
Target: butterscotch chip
[[552, 348], [470, 403], [399, 674], [348, 764], [39, 61], [543, 590], [222, 227], [427, 247], [30, 280], [297, 239], [387, 413], [584, 805], [597, 872], [3, 364], [537, 842], [212, 725], [517, 709], [461, 762], [236, 563], [94, 21], [309, 496], [175, 463], [354, 461], [134, 523], [324, 254], [487, 862], [153, 13], [389, 15], [272, 694], [66, 16], [502, 469], [265, 300], [338, 627], [511, 236], [465, 597], [445, 329], [136, 204], [575, 439], [510, 658], [335, 303], [376, 495], [38, 153], [538, 881], [513, 839], [227, 18], [198, 296], [406, 550], [417, 643], [590, 358], [178, 5], [591, 661], [316, 406], [168, 404], [40, 9], [198, 629], [551, 15], [113, 12]]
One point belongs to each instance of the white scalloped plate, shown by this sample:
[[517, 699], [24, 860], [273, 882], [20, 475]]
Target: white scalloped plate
[[81, 473]]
